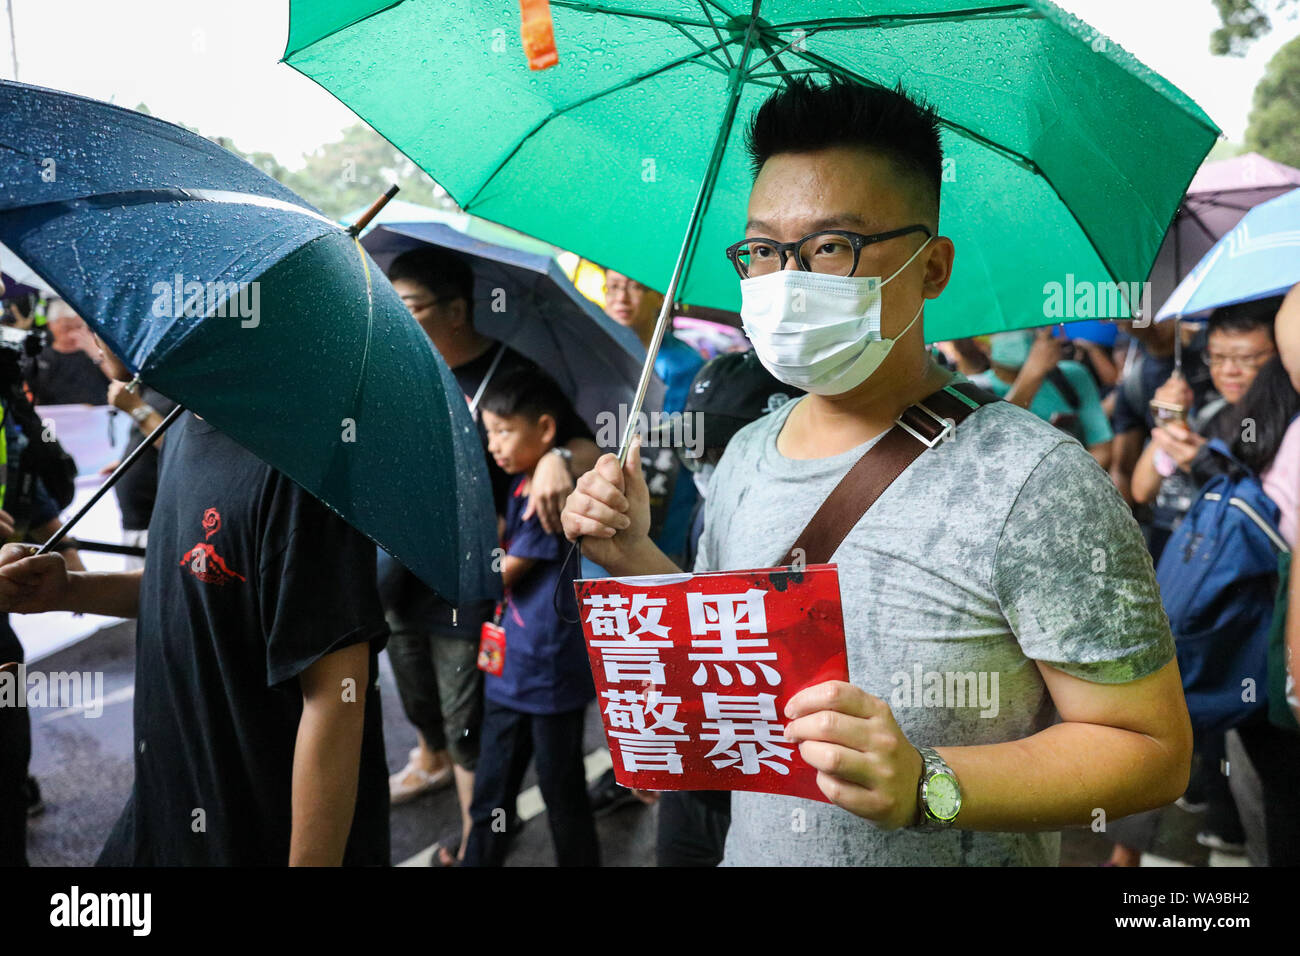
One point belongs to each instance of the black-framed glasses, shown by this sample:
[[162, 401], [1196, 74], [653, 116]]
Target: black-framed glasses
[[1245, 362], [830, 252]]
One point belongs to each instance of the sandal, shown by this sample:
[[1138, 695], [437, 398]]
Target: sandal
[[413, 781]]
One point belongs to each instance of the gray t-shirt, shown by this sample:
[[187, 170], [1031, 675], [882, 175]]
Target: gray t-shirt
[[1004, 545]]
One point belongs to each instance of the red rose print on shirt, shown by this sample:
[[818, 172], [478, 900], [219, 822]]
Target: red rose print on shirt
[[204, 561]]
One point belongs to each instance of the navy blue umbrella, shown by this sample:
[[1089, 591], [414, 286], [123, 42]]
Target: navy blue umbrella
[[232, 296], [524, 299]]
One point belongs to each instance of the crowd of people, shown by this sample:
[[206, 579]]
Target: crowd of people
[[1151, 420], [972, 559]]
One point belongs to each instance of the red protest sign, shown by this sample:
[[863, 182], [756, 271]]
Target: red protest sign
[[693, 672]]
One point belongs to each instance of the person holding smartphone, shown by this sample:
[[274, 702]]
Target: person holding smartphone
[[1239, 343], [1168, 476]]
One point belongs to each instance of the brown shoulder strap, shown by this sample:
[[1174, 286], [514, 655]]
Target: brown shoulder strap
[[921, 426]]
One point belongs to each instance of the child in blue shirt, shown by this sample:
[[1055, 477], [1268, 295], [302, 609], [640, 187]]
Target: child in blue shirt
[[535, 707]]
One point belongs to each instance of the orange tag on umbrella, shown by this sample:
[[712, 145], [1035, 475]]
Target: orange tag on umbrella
[[538, 34]]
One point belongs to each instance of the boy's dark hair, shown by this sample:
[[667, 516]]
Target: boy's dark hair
[[530, 394], [805, 116], [445, 274], [1245, 316]]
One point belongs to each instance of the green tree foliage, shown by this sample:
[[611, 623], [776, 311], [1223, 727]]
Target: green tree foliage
[[263, 161], [354, 171], [1243, 22], [347, 174], [1274, 126]]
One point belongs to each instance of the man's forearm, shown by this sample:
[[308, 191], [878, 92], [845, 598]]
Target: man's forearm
[[326, 762], [1060, 777], [585, 453], [110, 593], [1024, 389], [645, 559]]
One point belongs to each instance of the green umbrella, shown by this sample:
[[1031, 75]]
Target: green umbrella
[[1066, 159]]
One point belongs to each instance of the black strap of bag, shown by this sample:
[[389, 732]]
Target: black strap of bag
[[1062, 385], [921, 426]]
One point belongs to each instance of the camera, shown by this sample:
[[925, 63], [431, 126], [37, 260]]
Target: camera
[[28, 342]]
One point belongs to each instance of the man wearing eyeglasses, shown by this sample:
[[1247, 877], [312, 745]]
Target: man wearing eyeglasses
[[1003, 551]]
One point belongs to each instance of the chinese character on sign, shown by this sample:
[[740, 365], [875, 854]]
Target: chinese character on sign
[[746, 732], [630, 658], [727, 615], [679, 660], [646, 729]]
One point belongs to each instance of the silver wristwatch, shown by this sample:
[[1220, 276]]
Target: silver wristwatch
[[938, 795]]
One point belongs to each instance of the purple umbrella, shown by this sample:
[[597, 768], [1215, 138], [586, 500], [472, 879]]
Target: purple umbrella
[[1219, 196]]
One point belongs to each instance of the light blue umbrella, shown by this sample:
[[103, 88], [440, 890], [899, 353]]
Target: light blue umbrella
[[1259, 258]]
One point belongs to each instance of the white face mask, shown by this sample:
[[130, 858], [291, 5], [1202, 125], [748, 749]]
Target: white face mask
[[820, 333]]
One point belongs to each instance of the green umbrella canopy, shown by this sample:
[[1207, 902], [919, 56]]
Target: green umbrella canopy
[[1065, 157]]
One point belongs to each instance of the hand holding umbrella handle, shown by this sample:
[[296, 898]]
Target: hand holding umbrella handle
[[127, 462]]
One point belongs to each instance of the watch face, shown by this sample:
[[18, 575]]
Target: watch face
[[942, 797]]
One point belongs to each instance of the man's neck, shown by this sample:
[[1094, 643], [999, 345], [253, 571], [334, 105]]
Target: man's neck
[[821, 426], [646, 331], [465, 349]]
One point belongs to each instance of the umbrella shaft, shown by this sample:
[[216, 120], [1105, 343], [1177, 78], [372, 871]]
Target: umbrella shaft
[[734, 87], [127, 462], [105, 547]]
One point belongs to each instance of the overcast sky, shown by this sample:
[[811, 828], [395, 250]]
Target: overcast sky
[[213, 64]]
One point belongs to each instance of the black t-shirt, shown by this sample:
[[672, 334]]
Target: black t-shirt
[[138, 485], [249, 580], [67, 378]]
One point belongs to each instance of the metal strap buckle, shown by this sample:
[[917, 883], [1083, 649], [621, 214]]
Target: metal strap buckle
[[946, 426]]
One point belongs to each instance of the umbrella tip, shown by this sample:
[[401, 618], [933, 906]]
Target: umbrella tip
[[354, 230]]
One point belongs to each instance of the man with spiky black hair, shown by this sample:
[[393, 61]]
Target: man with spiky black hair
[[997, 584]]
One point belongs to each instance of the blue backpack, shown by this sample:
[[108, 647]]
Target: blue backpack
[[1218, 580]]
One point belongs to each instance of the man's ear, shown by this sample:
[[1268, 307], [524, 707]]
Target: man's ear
[[458, 312], [938, 266]]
